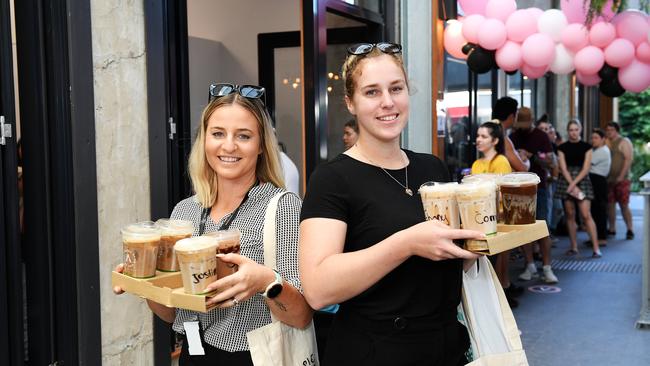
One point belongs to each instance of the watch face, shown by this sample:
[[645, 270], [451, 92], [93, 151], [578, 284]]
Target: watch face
[[274, 291]]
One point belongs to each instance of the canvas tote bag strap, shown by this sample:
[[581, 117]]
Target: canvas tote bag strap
[[270, 242]]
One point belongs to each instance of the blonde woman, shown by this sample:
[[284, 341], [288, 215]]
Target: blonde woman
[[364, 241], [235, 171]]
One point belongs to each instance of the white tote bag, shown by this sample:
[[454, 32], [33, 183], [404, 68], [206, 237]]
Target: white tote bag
[[279, 344], [492, 328]]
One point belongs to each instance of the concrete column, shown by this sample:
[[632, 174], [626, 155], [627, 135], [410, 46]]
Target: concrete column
[[122, 168], [416, 21]]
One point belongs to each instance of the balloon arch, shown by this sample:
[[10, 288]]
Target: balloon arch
[[614, 52]]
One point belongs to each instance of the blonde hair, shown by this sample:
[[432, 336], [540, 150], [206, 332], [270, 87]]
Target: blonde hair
[[350, 69], [268, 168]]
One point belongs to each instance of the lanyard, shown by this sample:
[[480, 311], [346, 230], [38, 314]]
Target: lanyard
[[226, 225]]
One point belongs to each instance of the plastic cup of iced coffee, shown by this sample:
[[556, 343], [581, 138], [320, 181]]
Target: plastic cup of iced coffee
[[439, 202], [171, 231], [197, 258], [228, 241], [519, 197], [477, 207], [140, 248], [493, 177]]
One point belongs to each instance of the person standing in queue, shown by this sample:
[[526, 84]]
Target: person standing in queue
[[235, 171], [364, 240], [490, 143]]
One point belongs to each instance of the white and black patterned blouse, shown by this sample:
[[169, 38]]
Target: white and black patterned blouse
[[226, 328]]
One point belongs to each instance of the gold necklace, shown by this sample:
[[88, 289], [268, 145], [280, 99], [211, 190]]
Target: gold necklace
[[407, 190]]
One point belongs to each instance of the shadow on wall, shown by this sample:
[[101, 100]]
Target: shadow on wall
[[209, 62]]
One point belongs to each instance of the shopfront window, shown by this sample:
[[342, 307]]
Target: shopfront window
[[454, 112]]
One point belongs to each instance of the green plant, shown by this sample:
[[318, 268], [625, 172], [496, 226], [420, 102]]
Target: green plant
[[595, 7], [634, 116]]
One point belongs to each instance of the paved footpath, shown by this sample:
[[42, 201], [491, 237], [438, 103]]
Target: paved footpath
[[589, 317]]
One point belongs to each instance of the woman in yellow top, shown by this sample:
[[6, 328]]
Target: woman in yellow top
[[489, 141]]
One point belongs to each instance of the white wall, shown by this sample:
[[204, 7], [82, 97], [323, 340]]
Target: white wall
[[235, 24]]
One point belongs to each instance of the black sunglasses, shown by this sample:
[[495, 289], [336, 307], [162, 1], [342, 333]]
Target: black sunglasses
[[246, 91], [365, 48]]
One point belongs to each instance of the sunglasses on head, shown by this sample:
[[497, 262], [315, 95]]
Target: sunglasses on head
[[365, 48], [246, 91]]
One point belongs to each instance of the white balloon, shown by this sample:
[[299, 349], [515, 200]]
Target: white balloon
[[552, 23], [563, 62]]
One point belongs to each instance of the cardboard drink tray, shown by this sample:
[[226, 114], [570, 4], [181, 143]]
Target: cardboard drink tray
[[164, 288], [512, 236]]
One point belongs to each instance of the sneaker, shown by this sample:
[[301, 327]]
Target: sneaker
[[549, 276], [513, 290], [512, 302], [629, 235], [529, 273], [611, 233]]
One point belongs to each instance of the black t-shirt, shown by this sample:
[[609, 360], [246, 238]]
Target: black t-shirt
[[374, 207], [534, 141], [574, 152]]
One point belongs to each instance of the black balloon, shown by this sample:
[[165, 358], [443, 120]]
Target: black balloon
[[481, 60], [608, 73], [611, 88], [467, 48]]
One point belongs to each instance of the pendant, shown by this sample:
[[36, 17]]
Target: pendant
[[409, 191]]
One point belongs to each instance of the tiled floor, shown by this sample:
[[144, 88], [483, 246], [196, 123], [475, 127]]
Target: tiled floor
[[591, 321]]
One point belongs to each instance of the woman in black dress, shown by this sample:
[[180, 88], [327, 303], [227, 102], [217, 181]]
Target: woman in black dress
[[364, 241], [574, 186]]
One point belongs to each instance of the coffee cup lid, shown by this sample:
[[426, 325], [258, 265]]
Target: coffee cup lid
[[173, 226], [483, 176], [518, 179], [469, 187], [195, 244], [438, 187], [224, 234], [145, 230]]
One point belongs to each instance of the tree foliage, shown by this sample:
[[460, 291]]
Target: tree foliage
[[634, 116]]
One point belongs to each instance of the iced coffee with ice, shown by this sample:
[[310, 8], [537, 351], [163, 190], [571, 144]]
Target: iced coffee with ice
[[197, 258], [439, 202], [227, 242], [496, 178], [477, 207], [519, 196], [140, 249], [171, 231]]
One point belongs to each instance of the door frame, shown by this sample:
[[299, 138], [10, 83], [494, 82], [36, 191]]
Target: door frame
[[11, 287], [61, 249], [314, 60]]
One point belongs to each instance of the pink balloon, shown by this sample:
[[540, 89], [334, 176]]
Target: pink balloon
[[633, 26], [602, 34], [520, 25], [508, 57], [575, 37], [500, 9], [471, 25], [589, 60], [643, 52], [619, 53], [535, 12], [635, 77], [576, 12], [533, 72], [492, 34], [453, 39], [473, 6], [538, 50], [587, 79]]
